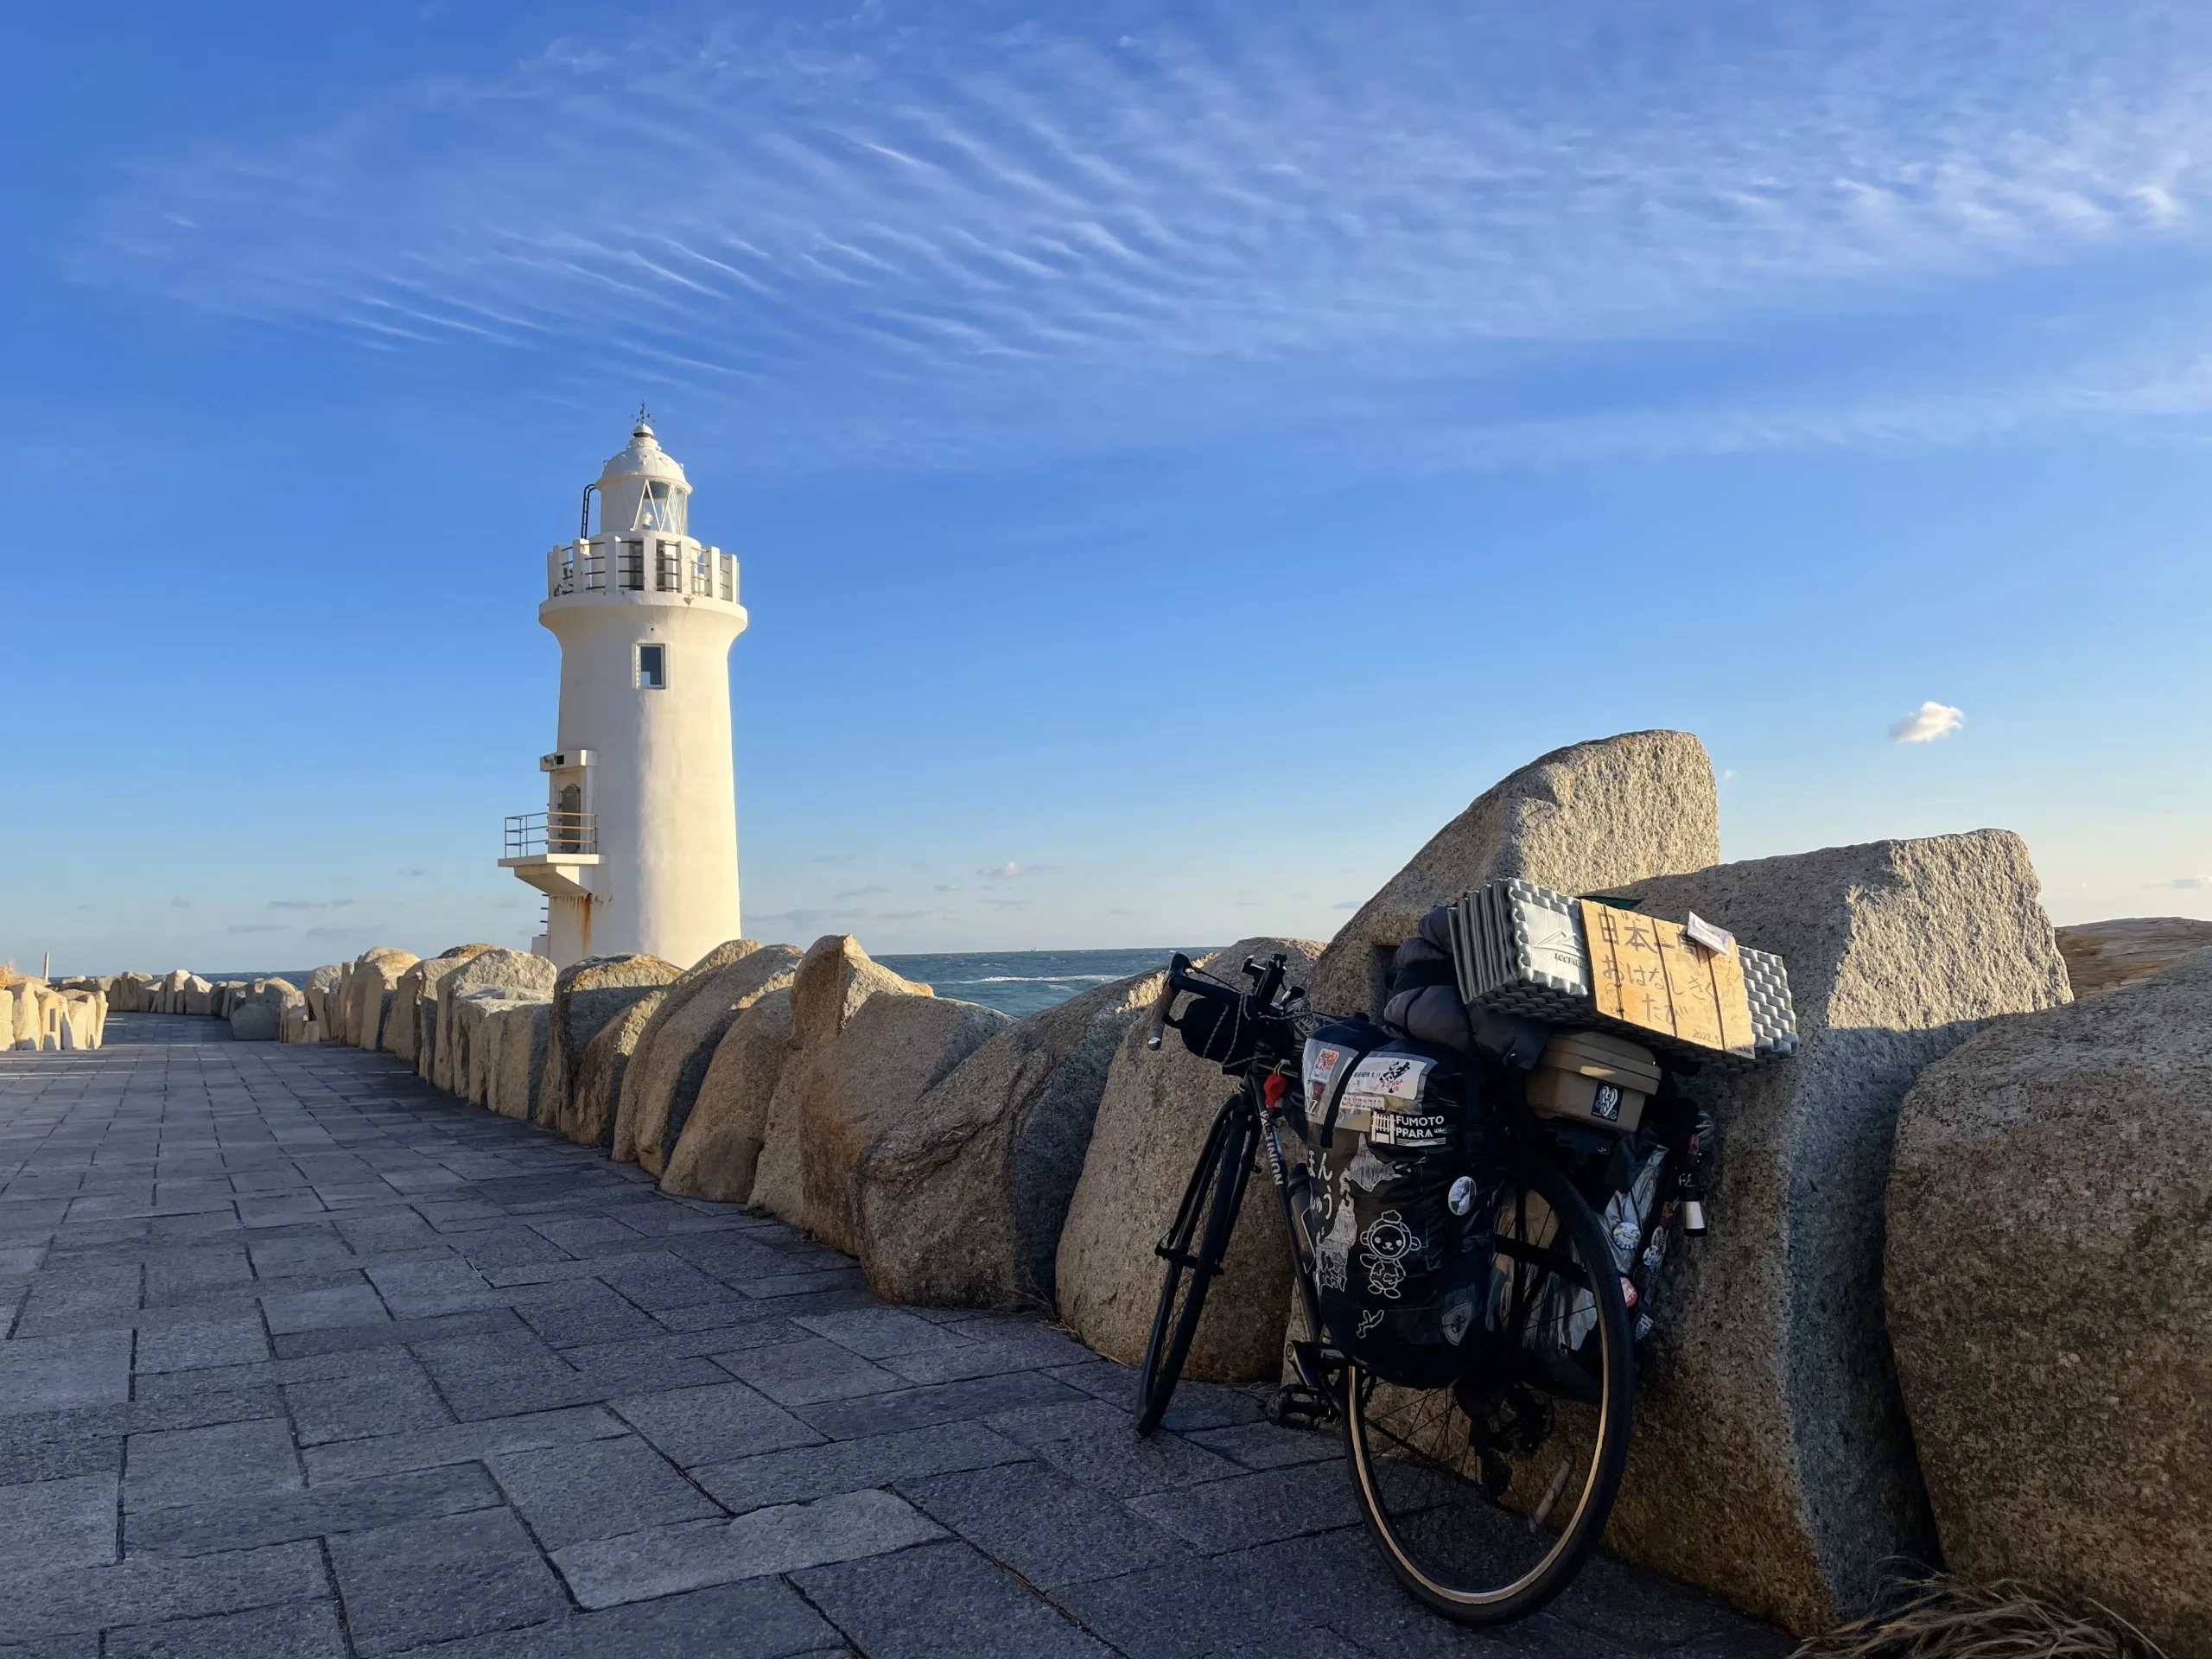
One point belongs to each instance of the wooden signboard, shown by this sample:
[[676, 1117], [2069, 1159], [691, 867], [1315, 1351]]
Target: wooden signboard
[[1643, 971]]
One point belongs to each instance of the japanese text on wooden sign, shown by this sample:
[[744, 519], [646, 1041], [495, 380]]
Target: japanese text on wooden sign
[[1644, 971]]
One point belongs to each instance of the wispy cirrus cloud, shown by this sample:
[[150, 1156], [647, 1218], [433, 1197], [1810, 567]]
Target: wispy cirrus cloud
[[915, 237]]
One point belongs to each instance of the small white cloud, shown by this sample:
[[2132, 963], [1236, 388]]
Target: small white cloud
[[1005, 872], [1726, 776], [1928, 723], [856, 893], [181, 903], [1346, 904], [2186, 883]]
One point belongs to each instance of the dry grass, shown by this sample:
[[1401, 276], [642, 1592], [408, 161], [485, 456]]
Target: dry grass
[[1941, 1618]]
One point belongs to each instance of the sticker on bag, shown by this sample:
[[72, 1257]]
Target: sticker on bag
[[1388, 1087]]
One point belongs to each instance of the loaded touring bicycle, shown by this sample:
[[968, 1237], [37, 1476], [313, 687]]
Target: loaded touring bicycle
[[1479, 1192]]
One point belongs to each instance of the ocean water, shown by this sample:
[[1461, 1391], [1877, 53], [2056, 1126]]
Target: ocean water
[[1017, 982]]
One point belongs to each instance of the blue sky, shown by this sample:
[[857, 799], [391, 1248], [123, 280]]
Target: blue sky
[[1178, 455]]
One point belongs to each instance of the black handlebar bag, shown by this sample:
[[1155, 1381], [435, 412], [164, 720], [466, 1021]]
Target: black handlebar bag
[[1401, 1207]]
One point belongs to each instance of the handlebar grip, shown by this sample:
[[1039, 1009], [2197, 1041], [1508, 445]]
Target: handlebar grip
[[1177, 966]]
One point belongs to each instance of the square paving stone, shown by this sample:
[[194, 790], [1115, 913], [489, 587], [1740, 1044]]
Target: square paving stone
[[713, 1425], [942, 1402], [756, 1618], [320, 1310], [192, 1465], [301, 1630], [879, 1332], [598, 1489], [1263, 1446], [427, 1581], [387, 1401], [1255, 1509], [462, 1443], [811, 1472], [236, 1341], [315, 1512], [58, 1524], [1206, 1609], [90, 1368], [147, 1590], [638, 1565], [806, 1373], [1042, 1524], [1091, 1442], [943, 1602]]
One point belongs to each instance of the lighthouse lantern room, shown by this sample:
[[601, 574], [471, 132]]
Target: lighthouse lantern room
[[637, 848]]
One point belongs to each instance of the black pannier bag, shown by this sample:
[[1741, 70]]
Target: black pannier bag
[[1400, 1205]]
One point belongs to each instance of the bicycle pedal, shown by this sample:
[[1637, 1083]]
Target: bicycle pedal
[[1295, 1406]]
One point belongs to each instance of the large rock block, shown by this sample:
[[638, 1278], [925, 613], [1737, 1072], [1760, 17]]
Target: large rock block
[[896, 1046], [515, 972], [718, 1151], [197, 996], [834, 980], [586, 995], [663, 1082], [1581, 818], [1772, 1462], [960, 1200], [525, 1041], [2050, 1292], [692, 982], [1152, 1124], [257, 1016], [2102, 956], [320, 991], [413, 1002], [595, 1090], [475, 1039], [375, 974]]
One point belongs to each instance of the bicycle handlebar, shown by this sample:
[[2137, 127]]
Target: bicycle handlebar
[[1180, 978]]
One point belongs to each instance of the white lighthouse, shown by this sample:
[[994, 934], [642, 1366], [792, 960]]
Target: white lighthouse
[[637, 848]]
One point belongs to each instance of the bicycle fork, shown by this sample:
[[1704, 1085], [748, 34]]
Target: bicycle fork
[[1310, 1400]]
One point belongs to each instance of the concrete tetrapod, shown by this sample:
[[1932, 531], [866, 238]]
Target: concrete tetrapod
[[1152, 1123], [586, 995], [718, 1152], [693, 982], [1589, 816], [2050, 1292], [1772, 1462], [866, 1079], [961, 1199], [678, 1049], [831, 983]]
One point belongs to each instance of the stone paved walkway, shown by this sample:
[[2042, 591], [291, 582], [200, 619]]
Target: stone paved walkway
[[304, 1358]]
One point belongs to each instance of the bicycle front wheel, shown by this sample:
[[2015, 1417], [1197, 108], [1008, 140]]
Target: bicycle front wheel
[[1488, 1495], [1193, 1248]]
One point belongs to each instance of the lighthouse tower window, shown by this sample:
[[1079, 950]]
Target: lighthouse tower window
[[661, 506], [653, 669]]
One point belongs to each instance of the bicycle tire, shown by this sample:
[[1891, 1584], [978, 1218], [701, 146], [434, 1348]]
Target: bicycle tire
[[1444, 1531], [1211, 1197]]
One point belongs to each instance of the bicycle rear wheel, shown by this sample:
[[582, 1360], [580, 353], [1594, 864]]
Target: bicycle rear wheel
[[1204, 1220], [1487, 1496]]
